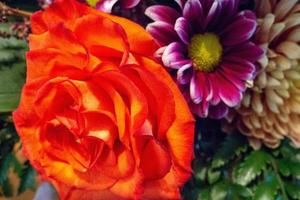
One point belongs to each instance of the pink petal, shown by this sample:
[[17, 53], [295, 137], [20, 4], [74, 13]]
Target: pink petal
[[219, 111], [193, 12], [214, 88], [129, 3], [200, 109], [173, 55], [162, 13], [238, 67], [233, 78], [228, 93], [162, 32], [182, 28], [238, 32], [185, 73], [248, 51], [200, 88], [106, 5]]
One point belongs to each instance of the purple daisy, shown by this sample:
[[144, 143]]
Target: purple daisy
[[103, 5], [106, 5], [208, 47]]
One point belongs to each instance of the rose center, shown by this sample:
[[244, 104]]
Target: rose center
[[205, 51]]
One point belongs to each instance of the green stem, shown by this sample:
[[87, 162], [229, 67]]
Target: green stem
[[281, 185]]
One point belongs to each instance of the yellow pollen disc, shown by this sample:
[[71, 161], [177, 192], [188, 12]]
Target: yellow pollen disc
[[205, 51], [92, 2]]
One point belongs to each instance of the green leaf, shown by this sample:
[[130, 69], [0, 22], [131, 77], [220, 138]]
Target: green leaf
[[233, 145], [11, 82], [283, 167], [293, 190], [219, 191], [27, 179], [7, 188], [191, 193], [204, 194], [289, 166], [12, 70], [237, 192], [289, 151], [17, 166], [242, 191], [267, 189], [247, 170], [4, 167], [200, 170], [12, 43], [213, 176]]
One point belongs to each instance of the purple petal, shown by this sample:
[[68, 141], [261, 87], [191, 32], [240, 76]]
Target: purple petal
[[238, 32], [182, 28], [158, 54], [193, 12], [212, 13], [179, 63], [185, 73], [200, 88], [200, 109], [106, 5], [247, 14], [237, 75], [162, 13], [229, 6], [219, 111], [239, 67], [196, 92], [214, 89], [129, 3], [174, 54], [248, 51], [233, 78], [180, 3], [225, 7], [228, 93], [162, 32]]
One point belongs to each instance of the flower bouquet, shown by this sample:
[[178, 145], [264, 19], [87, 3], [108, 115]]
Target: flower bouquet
[[150, 99]]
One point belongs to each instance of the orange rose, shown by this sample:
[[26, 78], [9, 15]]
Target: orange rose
[[98, 117]]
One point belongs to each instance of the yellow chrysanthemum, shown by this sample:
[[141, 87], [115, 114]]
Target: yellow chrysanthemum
[[270, 110]]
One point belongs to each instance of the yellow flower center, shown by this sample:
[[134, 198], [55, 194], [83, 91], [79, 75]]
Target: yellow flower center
[[92, 2], [205, 51]]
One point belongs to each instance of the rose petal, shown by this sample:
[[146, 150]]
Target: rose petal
[[155, 161]]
